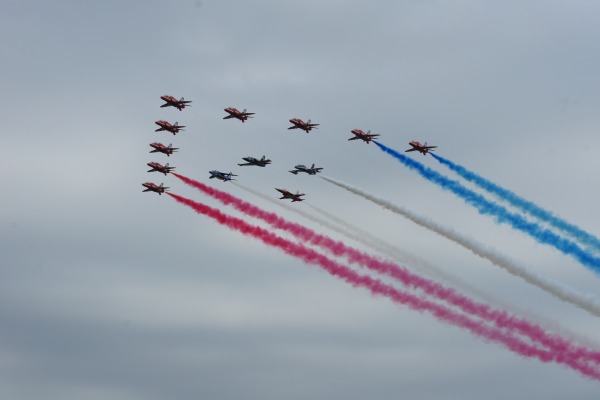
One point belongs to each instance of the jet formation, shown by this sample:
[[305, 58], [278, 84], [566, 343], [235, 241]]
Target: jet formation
[[163, 125], [234, 113]]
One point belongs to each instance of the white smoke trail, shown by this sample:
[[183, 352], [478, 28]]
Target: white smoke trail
[[361, 236], [557, 289]]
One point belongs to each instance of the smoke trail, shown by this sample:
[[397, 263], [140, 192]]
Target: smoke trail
[[364, 237], [405, 256], [502, 214], [525, 205], [377, 287], [583, 301], [351, 232], [500, 318]]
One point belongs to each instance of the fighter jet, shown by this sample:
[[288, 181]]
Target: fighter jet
[[171, 101], [420, 147], [362, 135], [152, 187], [305, 126], [167, 126], [161, 148], [302, 168], [221, 175], [235, 113], [286, 194], [158, 167], [254, 161]]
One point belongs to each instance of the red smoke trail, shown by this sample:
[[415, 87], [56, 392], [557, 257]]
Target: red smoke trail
[[379, 288], [502, 319]]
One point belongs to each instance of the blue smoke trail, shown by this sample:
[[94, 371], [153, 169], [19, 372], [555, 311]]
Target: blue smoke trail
[[502, 215], [525, 205]]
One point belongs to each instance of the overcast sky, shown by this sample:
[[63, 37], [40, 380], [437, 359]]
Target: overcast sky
[[110, 293]]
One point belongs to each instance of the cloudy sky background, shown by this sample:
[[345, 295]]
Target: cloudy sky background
[[106, 292]]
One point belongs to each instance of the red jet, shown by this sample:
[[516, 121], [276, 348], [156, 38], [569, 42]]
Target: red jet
[[171, 101], [360, 134], [166, 126], [420, 147], [152, 187], [158, 167], [161, 148], [286, 194], [235, 113], [299, 124]]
